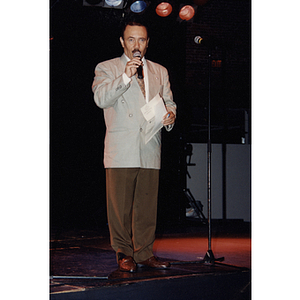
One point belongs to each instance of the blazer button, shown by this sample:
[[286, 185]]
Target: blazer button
[[141, 129], [130, 115]]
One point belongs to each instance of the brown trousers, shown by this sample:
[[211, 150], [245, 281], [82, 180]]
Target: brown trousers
[[132, 210]]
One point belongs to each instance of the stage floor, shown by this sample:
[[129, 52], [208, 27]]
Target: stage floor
[[83, 265]]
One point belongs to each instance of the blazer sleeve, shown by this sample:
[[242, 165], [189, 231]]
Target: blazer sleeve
[[108, 84], [168, 96]]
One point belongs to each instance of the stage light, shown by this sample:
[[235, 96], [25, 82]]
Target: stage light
[[163, 9], [113, 3], [138, 6], [186, 13]]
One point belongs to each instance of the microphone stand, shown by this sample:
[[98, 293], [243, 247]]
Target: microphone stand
[[209, 256]]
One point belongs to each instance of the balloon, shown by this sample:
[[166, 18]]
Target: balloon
[[187, 12], [163, 9]]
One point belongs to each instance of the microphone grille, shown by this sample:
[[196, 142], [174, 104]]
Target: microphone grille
[[137, 54], [198, 39]]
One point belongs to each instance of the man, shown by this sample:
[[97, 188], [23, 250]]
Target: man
[[132, 166]]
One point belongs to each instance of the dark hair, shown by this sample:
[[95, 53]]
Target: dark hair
[[133, 23]]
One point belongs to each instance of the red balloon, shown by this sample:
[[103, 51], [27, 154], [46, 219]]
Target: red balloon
[[187, 12], [163, 9]]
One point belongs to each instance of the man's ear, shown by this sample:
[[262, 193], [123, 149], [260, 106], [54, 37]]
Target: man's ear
[[122, 41]]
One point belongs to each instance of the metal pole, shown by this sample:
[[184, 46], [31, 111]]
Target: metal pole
[[209, 256], [209, 155]]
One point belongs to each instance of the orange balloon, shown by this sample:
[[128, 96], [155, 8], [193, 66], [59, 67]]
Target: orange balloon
[[186, 12], [163, 9]]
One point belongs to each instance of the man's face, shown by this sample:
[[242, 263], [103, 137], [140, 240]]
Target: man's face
[[135, 39]]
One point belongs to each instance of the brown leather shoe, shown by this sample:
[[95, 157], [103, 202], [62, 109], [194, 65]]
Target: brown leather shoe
[[127, 264], [153, 262]]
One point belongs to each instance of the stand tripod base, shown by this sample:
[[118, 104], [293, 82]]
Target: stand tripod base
[[209, 258]]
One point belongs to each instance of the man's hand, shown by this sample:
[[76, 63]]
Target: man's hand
[[132, 65], [169, 118]]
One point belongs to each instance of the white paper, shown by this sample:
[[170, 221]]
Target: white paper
[[153, 112]]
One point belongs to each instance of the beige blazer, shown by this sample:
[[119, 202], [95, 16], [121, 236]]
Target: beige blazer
[[125, 125]]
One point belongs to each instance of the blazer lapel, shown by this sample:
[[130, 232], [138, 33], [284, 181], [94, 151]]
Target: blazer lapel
[[123, 60], [154, 81]]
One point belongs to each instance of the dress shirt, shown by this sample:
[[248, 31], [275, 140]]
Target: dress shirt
[[126, 79]]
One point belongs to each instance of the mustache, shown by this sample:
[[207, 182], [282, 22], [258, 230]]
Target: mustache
[[136, 50]]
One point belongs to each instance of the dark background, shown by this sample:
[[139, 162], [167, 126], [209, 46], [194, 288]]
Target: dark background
[[81, 37]]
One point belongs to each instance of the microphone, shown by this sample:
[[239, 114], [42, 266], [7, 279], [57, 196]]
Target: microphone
[[140, 68], [198, 39], [210, 42]]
